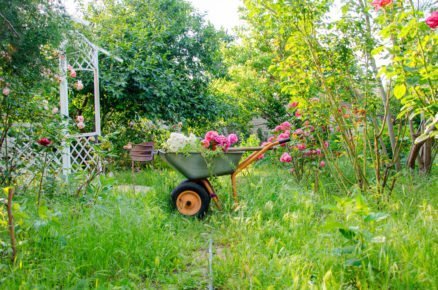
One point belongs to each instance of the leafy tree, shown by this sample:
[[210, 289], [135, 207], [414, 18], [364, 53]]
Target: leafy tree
[[170, 55]]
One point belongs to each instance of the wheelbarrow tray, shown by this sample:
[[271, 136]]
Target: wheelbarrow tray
[[195, 166]]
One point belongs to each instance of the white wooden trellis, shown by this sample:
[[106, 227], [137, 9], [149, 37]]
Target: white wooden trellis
[[85, 57], [79, 153]]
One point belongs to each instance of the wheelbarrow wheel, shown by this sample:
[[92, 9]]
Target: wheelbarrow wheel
[[191, 199]]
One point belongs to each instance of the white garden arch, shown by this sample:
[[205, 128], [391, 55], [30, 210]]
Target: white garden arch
[[84, 56]]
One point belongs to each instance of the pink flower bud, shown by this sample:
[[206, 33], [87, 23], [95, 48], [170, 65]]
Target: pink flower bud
[[6, 91], [326, 144], [297, 114], [322, 164]]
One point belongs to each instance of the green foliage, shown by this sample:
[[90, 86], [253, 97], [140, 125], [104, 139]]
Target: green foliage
[[170, 54]]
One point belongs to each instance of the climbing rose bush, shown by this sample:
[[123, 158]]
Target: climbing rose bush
[[303, 155]]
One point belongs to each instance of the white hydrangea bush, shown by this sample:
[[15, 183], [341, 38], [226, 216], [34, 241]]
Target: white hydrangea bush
[[179, 142]]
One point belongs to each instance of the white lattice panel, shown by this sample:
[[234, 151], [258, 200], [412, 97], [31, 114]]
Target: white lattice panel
[[22, 147]]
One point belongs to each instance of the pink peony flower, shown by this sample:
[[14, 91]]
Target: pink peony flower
[[80, 118], [210, 135], [285, 126], [44, 142], [73, 73], [285, 157], [380, 3], [292, 105], [221, 140], [80, 125], [432, 20], [232, 139], [6, 91], [301, 146], [322, 164]]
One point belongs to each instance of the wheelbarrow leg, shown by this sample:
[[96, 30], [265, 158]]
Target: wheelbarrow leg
[[234, 186], [213, 195]]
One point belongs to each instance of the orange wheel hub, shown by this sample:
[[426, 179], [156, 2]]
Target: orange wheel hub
[[188, 202]]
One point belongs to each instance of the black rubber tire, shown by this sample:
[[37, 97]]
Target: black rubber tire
[[191, 186]]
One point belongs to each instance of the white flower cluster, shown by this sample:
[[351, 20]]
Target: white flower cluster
[[178, 141]]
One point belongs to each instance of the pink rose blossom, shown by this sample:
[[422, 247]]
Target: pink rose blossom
[[232, 139], [278, 128], [301, 146], [69, 67], [285, 157], [298, 114], [44, 142], [73, 73], [293, 105], [271, 139], [79, 85], [80, 118], [81, 125], [322, 164], [381, 3], [285, 126], [432, 20], [6, 91]]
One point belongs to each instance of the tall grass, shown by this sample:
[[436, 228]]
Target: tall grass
[[281, 237]]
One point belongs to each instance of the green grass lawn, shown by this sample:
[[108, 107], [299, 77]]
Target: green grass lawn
[[282, 237]]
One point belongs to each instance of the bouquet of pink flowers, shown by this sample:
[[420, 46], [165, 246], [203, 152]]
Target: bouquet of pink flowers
[[213, 140]]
